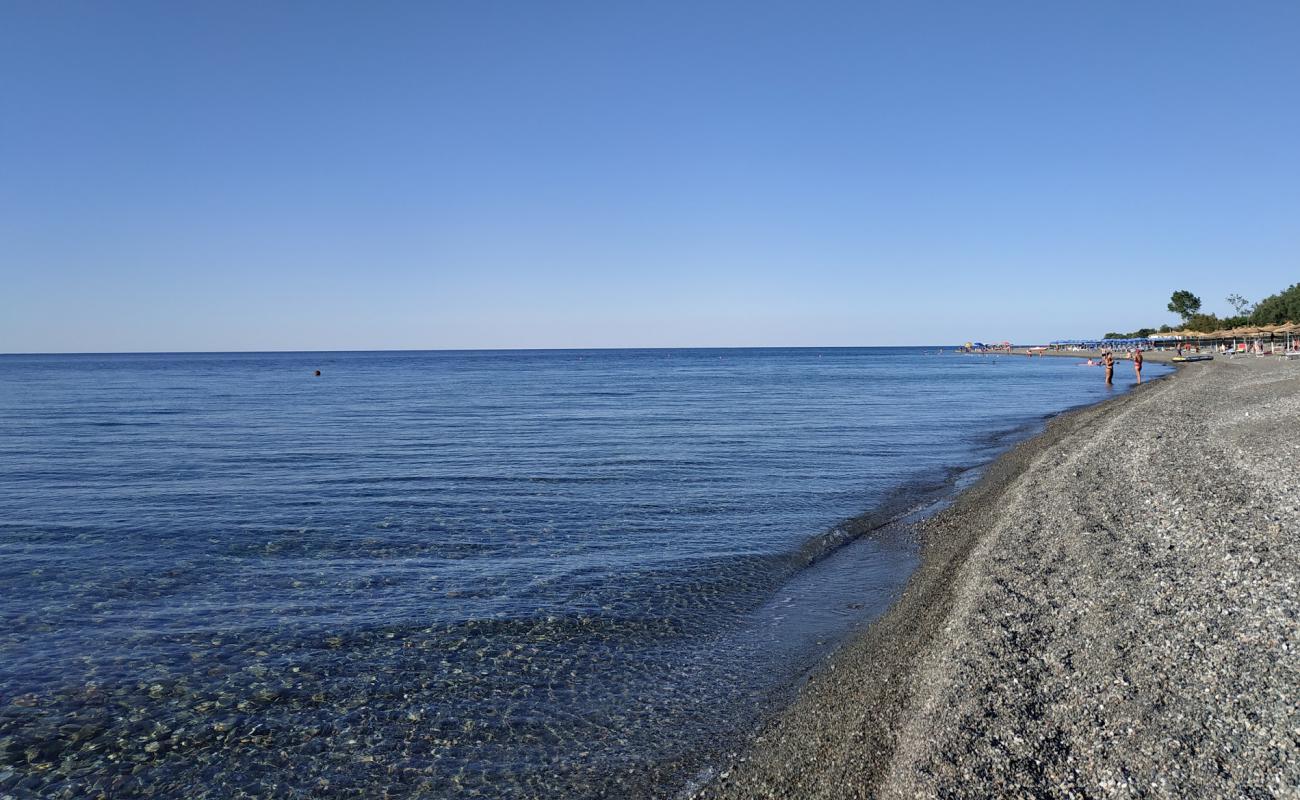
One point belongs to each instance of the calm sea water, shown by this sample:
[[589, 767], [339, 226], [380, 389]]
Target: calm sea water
[[506, 574]]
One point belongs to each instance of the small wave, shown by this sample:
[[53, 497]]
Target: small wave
[[899, 504]]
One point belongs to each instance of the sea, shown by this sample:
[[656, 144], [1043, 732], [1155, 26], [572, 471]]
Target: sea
[[499, 574]]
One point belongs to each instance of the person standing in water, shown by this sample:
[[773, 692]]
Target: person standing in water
[[1137, 363], [1108, 361]]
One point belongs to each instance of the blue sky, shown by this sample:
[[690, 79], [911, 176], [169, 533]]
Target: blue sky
[[222, 175]]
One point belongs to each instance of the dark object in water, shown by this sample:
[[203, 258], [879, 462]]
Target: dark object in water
[[317, 373]]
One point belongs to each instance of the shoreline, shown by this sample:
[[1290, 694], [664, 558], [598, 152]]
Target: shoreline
[[999, 669]]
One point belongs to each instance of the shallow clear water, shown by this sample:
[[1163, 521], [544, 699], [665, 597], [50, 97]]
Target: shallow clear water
[[564, 573]]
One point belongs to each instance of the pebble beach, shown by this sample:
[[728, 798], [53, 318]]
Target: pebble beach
[[1113, 610]]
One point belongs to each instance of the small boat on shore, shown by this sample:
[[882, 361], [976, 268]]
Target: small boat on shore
[[1185, 359]]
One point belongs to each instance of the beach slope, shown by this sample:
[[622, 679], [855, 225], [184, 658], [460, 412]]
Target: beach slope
[[1112, 611]]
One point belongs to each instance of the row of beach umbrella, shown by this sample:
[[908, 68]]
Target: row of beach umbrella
[[1288, 330], [1245, 332]]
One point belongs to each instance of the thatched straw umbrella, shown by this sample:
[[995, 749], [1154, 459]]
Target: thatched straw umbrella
[[1246, 332], [1290, 330]]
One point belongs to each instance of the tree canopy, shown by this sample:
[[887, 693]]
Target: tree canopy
[[1184, 304], [1278, 308], [1272, 310], [1140, 333], [1205, 323]]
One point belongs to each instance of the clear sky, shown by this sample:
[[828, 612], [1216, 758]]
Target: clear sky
[[319, 175]]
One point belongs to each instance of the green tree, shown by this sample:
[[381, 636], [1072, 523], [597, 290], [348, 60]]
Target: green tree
[[1140, 333], [1204, 323], [1278, 308], [1239, 304], [1184, 304]]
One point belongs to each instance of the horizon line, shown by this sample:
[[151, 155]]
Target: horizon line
[[469, 349]]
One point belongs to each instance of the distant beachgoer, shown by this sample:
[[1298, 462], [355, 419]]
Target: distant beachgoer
[[1137, 363], [1108, 361]]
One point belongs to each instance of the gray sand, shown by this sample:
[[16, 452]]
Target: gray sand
[[1113, 611]]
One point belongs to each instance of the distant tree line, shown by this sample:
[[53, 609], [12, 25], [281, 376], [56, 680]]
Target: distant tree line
[[1272, 310]]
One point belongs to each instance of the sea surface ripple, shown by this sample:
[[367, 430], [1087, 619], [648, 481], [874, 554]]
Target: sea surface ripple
[[498, 574]]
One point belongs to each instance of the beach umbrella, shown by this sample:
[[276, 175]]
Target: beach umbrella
[[1289, 329], [1278, 333]]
